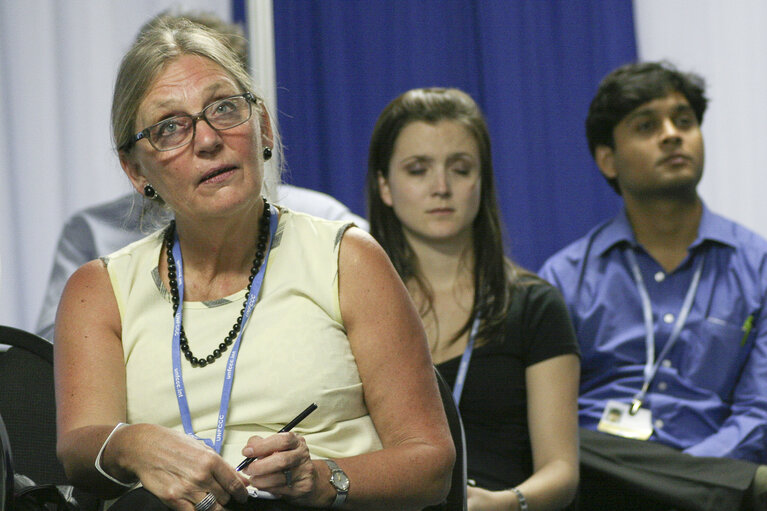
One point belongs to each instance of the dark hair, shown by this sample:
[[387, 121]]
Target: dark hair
[[493, 272], [630, 86]]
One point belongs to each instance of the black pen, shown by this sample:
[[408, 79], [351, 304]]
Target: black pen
[[290, 425]]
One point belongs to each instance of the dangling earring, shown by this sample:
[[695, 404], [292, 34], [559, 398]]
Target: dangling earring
[[267, 153], [149, 192]]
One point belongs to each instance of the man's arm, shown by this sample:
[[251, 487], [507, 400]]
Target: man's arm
[[75, 248], [90, 233], [744, 434]]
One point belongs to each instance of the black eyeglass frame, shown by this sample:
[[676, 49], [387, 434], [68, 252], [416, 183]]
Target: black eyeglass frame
[[144, 134]]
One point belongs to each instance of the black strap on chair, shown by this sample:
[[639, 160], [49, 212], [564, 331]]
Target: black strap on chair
[[456, 498], [6, 470]]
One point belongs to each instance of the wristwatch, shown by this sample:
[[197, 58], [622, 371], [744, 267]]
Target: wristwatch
[[340, 482]]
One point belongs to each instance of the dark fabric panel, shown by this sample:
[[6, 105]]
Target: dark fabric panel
[[28, 408], [239, 13], [532, 66], [627, 474], [142, 499]]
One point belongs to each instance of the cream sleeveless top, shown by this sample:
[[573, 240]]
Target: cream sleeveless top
[[294, 349]]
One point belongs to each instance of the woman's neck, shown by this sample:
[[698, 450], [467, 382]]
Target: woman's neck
[[447, 270], [217, 254], [443, 265]]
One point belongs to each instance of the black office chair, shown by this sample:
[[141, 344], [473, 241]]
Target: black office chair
[[456, 498], [28, 406]]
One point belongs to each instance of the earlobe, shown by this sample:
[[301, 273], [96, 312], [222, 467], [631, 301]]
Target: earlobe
[[605, 159], [133, 171], [383, 189]]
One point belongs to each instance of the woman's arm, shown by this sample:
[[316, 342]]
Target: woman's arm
[[89, 373], [401, 393], [552, 394], [91, 400]]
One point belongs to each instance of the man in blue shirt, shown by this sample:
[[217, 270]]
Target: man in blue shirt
[[669, 302]]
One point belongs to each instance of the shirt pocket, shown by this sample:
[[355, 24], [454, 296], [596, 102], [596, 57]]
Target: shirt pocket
[[714, 356]]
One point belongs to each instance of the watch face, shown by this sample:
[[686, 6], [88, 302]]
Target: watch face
[[339, 480]]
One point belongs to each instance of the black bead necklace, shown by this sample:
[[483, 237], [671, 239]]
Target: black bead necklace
[[263, 236]]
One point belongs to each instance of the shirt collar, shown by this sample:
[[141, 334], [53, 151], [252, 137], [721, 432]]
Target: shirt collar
[[615, 232], [618, 232], [714, 228]]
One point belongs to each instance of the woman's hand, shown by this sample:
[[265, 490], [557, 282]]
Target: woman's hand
[[176, 468], [91, 398], [480, 499], [283, 467]]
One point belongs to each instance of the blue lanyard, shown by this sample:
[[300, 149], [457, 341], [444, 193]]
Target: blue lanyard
[[178, 379], [652, 365], [463, 367]]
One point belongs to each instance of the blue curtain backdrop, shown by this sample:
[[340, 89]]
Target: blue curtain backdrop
[[533, 66]]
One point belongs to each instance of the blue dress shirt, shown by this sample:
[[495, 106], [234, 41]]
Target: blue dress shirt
[[709, 396]]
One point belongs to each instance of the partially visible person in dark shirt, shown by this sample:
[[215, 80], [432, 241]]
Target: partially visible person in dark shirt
[[432, 206]]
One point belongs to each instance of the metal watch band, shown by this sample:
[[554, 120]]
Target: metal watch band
[[340, 493], [339, 500]]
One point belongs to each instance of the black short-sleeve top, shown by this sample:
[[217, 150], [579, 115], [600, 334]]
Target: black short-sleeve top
[[494, 401]]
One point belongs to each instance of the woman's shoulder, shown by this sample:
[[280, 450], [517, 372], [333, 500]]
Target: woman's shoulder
[[529, 286], [298, 220], [538, 322], [87, 298], [533, 297], [293, 215], [148, 243], [306, 227]]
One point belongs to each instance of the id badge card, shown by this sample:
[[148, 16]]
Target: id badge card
[[617, 420]]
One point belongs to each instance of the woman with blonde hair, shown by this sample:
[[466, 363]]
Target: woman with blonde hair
[[192, 348]]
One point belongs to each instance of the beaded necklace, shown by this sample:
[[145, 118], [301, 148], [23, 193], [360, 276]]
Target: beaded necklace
[[176, 299]]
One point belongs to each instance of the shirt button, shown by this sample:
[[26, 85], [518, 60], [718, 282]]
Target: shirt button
[[662, 386], [660, 276], [666, 363], [658, 424], [668, 318]]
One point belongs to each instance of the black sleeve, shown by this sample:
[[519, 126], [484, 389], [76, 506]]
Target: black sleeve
[[547, 329]]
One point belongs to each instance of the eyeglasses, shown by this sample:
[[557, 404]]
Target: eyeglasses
[[179, 130]]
